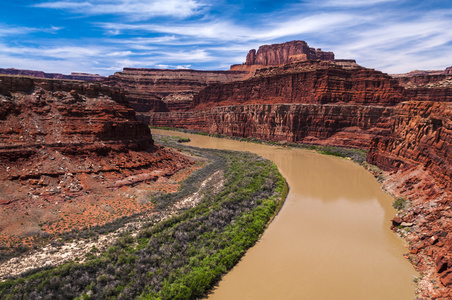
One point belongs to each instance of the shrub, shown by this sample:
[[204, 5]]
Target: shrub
[[400, 203]]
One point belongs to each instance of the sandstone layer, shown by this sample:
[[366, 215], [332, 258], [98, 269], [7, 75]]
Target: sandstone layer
[[338, 125], [66, 146], [40, 74], [428, 87], [315, 82], [279, 54], [418, 154], [150, 90]]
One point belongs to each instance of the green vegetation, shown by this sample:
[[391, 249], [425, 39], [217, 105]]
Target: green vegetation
[[180, 258], [183, 140], [400, 203]]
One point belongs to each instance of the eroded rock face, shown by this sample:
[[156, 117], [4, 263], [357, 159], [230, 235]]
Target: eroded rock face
[[427, 85], [40, 74], [316, 82], [64, 143], [151, 90], [448, 71], [338, 125], [418, 152], [319, 102], [279, 54], [422, 134]]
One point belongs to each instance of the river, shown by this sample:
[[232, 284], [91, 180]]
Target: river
[[331, 239]]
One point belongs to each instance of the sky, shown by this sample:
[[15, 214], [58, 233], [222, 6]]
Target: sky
[[104, 36]]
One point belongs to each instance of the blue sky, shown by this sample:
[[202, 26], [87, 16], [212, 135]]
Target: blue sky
[[104, 36]]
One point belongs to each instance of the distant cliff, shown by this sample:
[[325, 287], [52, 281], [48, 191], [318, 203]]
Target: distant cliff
[[151, 90], [40, 74], [319, 82], [279, 54], [338, 125]]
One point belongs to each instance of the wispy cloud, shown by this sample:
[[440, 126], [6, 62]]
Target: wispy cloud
[[134, 9], [8, 30], [228, 31], [107, 35]]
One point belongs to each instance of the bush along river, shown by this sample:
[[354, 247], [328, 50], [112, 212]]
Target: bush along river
[[178, 250], [331, 239]]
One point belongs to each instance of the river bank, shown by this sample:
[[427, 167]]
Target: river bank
[[333, 230], [182, 256]]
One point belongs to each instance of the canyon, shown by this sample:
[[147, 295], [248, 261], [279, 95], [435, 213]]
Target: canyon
[[404, 121], [150, 90], [65, 141]]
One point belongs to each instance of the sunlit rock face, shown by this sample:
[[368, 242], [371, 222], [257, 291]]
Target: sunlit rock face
[[65, 144], [149, 90]]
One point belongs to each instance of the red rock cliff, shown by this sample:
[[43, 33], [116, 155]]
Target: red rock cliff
[[422, 135], [70, 141], [428, 87], [278, 54], [338, 125], [166, 90], [40, 74], [418, 153], [316, 82]]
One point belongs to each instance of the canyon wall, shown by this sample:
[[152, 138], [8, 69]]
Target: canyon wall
[[68, 144], [428, 87], [421, 134], [151, 90], [40, 74], [338, 125], [319, 102], [316, 82], [418, 157]]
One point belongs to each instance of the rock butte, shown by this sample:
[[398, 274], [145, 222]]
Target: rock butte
[[283, 92]]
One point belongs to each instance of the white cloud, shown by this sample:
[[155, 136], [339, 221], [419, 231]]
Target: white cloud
[[8, 30], [134, 9], [228, 31], [198, 55], [183, 67], [213, 36], [397, 46]]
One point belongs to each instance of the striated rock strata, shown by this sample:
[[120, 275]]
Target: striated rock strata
[[66, 145], [40, 74], [151, 90], [316, 82], [418, 153], [428, 87], [279, 54], [345, 125]]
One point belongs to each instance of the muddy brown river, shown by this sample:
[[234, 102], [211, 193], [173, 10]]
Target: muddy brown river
[[331, 239]]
